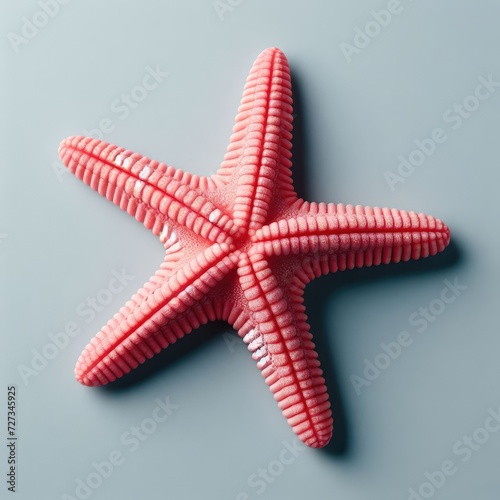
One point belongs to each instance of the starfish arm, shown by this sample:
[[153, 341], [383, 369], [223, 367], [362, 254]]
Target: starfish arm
[[151, 191], [168, 307], [281, 344], [344, 237], [258, 157]]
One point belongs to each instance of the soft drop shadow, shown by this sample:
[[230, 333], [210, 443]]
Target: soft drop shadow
[[318, 293], [177, 353], [317, 296]]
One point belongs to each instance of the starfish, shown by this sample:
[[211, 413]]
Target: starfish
[[240, 246]]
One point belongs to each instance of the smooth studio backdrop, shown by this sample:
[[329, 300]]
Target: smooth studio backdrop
[[397, 105]]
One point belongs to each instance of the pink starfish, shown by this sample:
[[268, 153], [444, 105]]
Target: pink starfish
[[240, 246]]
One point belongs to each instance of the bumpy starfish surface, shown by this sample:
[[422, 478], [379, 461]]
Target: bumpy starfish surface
[[240, 246]]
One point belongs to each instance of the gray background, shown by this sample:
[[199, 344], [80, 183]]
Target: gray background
[[60, 243]]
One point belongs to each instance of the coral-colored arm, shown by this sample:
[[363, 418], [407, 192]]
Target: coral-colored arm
[[282, 345], [151, 191], [259, 152], [169, 306], [354, 236]]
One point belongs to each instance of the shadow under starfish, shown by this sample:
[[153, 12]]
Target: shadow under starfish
[[240, 246], [318, 292], [317, 295]]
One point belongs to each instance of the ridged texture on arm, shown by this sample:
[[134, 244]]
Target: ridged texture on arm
[[150, 191], [354, 236], [282, 345], [164, 310], [259, 153]]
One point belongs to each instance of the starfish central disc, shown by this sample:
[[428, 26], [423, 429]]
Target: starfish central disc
[[240, 246]]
